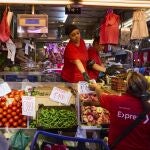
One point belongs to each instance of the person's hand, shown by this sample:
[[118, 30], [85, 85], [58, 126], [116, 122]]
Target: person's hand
[[93, 85], [86, 76]]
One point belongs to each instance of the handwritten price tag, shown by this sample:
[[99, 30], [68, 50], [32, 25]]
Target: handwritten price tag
[[60, 95], [83, 87], [4, 89], [28, 106]]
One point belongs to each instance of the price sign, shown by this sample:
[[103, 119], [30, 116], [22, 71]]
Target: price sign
[[83, 87], [60, 95], [28, 106], [4, 89]]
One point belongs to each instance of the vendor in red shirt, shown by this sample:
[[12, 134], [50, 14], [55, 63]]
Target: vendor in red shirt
[[75, 57], [93, 54], [125, 109]]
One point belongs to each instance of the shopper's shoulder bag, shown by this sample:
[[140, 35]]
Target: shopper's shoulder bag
[[128, 130]]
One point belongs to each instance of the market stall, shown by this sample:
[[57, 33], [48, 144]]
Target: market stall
[[42, 101]]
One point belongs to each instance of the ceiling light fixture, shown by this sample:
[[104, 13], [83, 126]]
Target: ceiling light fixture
[[65, 18]]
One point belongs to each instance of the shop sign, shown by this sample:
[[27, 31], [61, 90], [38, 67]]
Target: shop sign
[[28, 106], [60, 96], [4, 89]]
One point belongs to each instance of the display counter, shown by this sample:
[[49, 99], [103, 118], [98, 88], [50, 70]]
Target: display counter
[[41, 91], [34, 76]]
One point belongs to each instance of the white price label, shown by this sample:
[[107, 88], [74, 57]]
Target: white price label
[[60, 95], [4, 89], [28, 106], [83, 87]]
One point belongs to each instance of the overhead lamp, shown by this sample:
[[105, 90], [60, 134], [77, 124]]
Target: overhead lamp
[[128, 23], [65, 18]]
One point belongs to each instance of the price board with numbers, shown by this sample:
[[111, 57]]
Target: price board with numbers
[[60, 95], [28, 106]]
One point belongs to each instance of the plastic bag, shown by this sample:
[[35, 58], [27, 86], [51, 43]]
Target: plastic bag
[[19, 140], [4, 28], [4, 143]]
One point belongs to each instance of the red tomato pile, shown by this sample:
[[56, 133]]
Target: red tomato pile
[[11, 114]]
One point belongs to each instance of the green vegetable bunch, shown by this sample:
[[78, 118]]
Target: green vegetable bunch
[[56, 118]]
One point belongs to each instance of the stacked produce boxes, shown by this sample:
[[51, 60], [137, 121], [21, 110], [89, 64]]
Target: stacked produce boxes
[[90, 114]]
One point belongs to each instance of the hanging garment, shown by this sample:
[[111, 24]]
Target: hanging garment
[[4, 28], [125, 36], [11, 50], [109, 29], [139, 28]]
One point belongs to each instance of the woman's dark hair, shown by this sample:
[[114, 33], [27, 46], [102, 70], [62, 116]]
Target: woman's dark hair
[[70, 28], [96, 39], [138, 86]]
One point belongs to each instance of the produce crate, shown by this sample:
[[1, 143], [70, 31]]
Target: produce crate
[[94, 116], [56, 117], [118, 84]]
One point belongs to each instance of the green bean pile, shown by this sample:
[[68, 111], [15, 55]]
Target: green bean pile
[[56, 118]]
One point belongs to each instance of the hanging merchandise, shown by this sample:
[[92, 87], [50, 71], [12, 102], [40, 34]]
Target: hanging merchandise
[[125, 36], [11, 50], [9, 16], [4, 28], [139, 28], [109, 29]]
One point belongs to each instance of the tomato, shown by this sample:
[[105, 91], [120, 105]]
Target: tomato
[[13, 113], [19, 105], [3, 104], [15, 124], [13, 91], [8, 116], [14, 108], [16, 117], [17, 98], [10, 96], [14, 103], [5, 108], [11, 120], [4, 120], [17, 92], [3, 99], [24, 124], [1, 110], [20, 115], [9, 110], [4, 113], [7, 124], [10, 105], [1, 124], [1, 116], [21, 92], [20, 121], [24, 118]]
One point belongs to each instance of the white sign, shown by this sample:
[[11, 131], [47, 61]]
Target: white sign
[[4, 88], [83, 87], [60, 95], [28, 106]]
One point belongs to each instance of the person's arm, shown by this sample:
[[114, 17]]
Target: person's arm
[[79, 65], [81, 68], [98, 67], [97, 88]]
